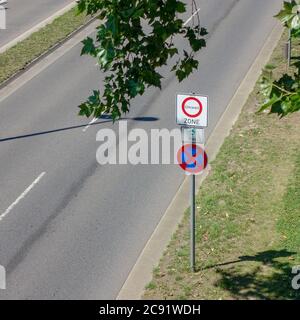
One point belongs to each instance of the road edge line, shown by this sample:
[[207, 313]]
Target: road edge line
[[142, 272]]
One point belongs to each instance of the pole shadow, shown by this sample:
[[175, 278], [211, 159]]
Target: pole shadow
[[104, 119]]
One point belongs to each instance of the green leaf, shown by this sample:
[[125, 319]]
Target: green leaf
[[269, 103], [295, 24], [88, 47], [180, 7], [133, 41]]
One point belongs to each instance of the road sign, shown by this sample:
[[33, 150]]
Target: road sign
[[192, 115], [192, 110], [192, 135], [192, 158]]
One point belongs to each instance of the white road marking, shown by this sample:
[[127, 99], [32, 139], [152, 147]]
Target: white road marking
[[22, 196], [191, 17], [90, 123]]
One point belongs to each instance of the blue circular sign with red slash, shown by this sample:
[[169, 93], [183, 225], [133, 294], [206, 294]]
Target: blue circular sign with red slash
[[192, 158]]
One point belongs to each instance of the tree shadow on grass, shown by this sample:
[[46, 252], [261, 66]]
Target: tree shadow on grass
[[267, 276]]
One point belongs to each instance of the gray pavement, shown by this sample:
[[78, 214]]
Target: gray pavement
[[79, 231]]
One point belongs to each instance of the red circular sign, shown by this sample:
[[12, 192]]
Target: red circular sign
[[186, 112], [192, 158]]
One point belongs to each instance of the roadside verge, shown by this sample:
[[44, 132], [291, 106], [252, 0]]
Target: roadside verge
[[247, 234], [141, 274]]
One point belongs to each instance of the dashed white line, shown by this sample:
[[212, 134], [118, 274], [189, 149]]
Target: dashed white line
[[191, 17], [22, 196], [90, 123]]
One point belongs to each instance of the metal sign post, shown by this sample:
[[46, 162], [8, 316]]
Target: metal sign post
[[192, 115], [193, 218], [290, 48]]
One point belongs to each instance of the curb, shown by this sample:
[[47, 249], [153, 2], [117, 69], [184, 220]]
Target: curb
[[141, 273], [37, 27]]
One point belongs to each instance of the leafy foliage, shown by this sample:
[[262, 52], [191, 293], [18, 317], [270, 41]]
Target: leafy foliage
[[282, 96], [134, 40]]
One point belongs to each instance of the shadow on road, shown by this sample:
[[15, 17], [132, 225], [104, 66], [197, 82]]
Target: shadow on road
[[103, 119]]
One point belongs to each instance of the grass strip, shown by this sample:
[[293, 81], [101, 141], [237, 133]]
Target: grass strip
[[19, 56], [248, 215]]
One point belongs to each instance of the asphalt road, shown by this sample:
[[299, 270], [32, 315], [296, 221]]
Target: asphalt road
[[77, 233], [22, 15]]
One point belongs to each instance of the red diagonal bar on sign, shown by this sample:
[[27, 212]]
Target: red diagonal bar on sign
[[189, 158]]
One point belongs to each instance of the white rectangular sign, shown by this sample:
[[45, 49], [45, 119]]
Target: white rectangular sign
[[192, 135], [192, 110]]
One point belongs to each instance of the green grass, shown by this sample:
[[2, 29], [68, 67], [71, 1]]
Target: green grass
[[20, 55], [289, 223], [151, 286], [248, 219]]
